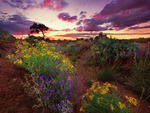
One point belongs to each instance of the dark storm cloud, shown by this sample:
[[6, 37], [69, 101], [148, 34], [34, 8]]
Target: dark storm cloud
[[119, 14], [122, 5], [137, 17], [26, 4], [16, 23], [67, 17], [92, 25]]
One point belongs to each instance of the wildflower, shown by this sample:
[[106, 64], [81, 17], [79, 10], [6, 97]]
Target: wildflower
[[131, 100], [27, 56], [91, 97], [104, 91], [120, 105], [18, 61], [112, 107], [48, 52], [9, 56], [81, 108], [17, 51]]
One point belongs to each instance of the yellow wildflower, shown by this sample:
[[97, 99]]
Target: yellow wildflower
[[18, 61], [81, 108], [48, 52], [17, 51], [91, 97], [120, 105], [9, 56], [112, 107], [104, 91], [27, 56], [132, 100]]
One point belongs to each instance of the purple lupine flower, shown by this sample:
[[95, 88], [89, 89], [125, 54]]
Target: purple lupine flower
[[58, 91], [52, 91], [70, 85], [47, 96], [38, 87]]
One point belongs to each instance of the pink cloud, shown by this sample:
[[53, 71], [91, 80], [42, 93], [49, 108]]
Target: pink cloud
[[53, 4], [67, 17]]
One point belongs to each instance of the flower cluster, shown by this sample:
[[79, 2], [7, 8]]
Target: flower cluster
[[102, 99], [53, 74], [131, 100]]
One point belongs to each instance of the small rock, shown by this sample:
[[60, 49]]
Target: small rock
[[14, 79]]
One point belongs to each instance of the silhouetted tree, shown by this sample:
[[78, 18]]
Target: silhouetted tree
[[37, 28], [100, 34]]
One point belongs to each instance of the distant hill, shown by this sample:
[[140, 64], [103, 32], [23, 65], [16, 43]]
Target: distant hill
[[5, 35]]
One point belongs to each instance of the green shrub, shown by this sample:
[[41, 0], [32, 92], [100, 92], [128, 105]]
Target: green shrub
[[140, 76], [72, 48], [106, 74], [31, 39], [89, 82], [5, 35], [89, 60], [102, 99], [107, 51]]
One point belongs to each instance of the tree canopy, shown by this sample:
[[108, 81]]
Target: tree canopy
[[37, 27]]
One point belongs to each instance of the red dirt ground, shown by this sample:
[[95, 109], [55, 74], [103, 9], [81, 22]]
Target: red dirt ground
[[13, 98]]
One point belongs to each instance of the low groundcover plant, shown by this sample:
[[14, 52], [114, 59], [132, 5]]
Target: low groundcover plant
[[104, 99]]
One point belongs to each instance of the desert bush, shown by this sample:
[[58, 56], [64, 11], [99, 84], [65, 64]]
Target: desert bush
[[89, 60], [106, 74], [31, 39], [107, 51], [104, 99], [74, 48], [5, 35], [140, 78], [89, 82], [53, 75]]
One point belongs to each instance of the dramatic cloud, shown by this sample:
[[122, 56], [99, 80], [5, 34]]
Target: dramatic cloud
[[26, 4], [16, 23], [140, 15], [79, 22], [119, 6], [23, 4], [91, 28], [92, 25], [67, 17], [120, 14], [54, 4], [139, 27], [3, 16], [83, 12]]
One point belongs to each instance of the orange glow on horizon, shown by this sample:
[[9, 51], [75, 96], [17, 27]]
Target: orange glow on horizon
[[73, 34]]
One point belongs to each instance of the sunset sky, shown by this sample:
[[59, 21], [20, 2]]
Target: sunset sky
[[71, 19]]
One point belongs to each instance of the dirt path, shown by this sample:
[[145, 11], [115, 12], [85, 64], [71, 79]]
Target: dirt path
[[13, 98]]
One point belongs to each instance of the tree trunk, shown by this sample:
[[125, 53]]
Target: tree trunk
[[43, 34]]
